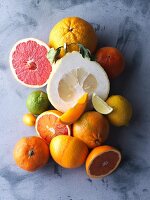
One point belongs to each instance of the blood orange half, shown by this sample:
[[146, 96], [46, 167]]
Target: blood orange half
[[48, 125], [29, 62], [102, 161]]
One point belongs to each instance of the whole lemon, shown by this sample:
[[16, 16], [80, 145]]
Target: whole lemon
[[29, 119], [122, 110]]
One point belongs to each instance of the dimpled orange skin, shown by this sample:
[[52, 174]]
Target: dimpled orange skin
[[111, 60], [31, 153], [73, 30], [92, 128], [97, 152], [68, 151]]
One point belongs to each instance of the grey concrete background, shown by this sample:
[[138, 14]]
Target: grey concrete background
[[124, 24]]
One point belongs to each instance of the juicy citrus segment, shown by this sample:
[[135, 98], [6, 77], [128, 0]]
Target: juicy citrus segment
[[102, 161], [71, 115], [29, 62], [48, 125], [100, 105]]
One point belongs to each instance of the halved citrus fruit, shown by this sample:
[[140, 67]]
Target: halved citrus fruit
[[71, 115], [102, 161], [100, 105], [72, 77], [48, 125], [29, 62]]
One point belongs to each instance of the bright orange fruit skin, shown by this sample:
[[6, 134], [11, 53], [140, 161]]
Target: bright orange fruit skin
[[92, 128], [111, 60], [68, 151], [31, 153], [71, 115]]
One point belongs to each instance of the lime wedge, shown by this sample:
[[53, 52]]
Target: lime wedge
[[100, 105]]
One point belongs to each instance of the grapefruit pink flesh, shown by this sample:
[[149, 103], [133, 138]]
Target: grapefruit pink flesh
[[29, 62]]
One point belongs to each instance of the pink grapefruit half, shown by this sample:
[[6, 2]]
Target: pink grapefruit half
[[29, 62]]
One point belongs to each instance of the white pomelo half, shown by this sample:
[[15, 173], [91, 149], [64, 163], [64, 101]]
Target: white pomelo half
[[71, 77], [29, 63]]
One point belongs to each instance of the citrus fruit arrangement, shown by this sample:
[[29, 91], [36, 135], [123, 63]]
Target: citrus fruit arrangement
[[77, 79]]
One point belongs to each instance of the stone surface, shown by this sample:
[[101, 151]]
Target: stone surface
[[124, 24]]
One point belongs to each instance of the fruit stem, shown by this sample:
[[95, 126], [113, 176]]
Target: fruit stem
[[31, 153], [97, 142], [67, 45]]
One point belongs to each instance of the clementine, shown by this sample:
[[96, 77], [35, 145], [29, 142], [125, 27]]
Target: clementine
[[31, 153], [112, 60], [92, 128], [73, 30], [68, 151]]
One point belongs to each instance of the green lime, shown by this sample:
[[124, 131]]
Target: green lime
[[100, 105], [37, 102]]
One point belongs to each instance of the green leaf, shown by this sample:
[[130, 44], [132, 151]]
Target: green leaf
[[53, 54], [85, 52], [93, 58], [58, 52]]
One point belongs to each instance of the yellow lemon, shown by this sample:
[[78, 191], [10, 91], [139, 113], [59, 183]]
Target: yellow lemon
[[29, 119], [122, 110]]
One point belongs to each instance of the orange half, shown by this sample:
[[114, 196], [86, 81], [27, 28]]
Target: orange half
[[102, 161], [71, 115], [48, 125]]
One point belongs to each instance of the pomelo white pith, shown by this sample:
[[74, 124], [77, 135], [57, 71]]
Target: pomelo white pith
[[71, 77], [29, 63]]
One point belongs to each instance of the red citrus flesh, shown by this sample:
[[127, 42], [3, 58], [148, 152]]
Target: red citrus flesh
[[104, 163], [29, 62], [48, 126]]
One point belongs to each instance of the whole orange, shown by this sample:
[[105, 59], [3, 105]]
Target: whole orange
[[92, 128], [73, 30], [68, 151], [31, 153], [112, 60]]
